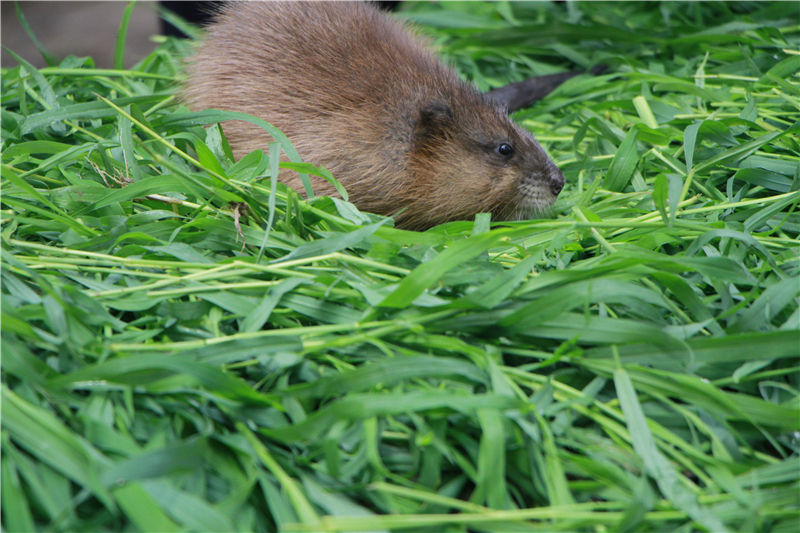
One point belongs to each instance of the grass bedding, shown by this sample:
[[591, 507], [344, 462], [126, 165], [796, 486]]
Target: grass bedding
[[188, 345]]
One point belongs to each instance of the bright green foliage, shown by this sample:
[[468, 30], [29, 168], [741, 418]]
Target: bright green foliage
[[171, 362]]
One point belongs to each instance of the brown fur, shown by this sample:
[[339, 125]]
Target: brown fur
[[358, 93]]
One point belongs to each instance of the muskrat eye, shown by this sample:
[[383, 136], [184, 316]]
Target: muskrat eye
[[505, 149]]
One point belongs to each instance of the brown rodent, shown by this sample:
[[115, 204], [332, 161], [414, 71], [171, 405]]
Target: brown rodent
[[358, 93]]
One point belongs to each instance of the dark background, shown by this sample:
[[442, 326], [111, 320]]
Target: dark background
[[78, 28], [90, 28]]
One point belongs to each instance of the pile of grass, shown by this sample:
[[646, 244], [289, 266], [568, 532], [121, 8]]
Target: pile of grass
[[188, 345]]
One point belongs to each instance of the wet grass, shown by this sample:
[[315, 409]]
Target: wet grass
[[189, 346]]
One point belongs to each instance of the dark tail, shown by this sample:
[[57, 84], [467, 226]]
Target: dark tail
[[515, 96]]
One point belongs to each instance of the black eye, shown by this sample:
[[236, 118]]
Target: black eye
[[505, 149]]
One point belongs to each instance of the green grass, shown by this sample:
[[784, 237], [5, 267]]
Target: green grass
[[171, 361]]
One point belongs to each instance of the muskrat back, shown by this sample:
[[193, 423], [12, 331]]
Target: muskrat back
[[356, 92]]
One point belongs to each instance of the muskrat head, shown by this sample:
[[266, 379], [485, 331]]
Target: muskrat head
[[470, 158]]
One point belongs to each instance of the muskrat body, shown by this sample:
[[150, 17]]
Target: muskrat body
[[358, 93]]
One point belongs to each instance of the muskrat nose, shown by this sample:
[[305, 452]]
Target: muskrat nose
[[556, 180]]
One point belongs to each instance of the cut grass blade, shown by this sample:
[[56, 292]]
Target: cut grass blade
[[122, 33], [655, 463]]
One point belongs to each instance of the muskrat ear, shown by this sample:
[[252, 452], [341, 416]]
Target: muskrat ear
[[434, 118]]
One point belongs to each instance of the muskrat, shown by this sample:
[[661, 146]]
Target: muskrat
[[358, 93]]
